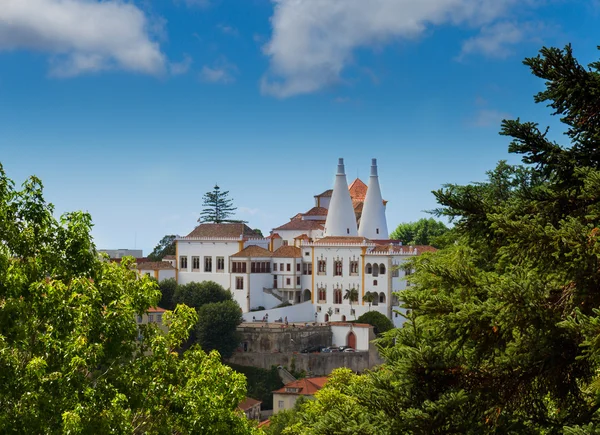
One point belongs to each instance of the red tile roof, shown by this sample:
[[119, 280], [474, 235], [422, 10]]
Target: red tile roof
[[316, 211], [302, 237], [301, 225], [358, 190], [275, 236], [155, 265], [156, 310], [287, 252], [306, 386], [253, 251], [223, 230], [248, 403], [297, 216], [169, 257]]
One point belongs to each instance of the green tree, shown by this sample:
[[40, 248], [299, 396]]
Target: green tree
[[70, 359], [380, 321], [217, 207], [369, 297], [168, 287], [217, 327], [197, 294], [422, 232], [504, 326], [165, 247]]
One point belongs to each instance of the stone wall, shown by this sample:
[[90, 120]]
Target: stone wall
[[273, 337]]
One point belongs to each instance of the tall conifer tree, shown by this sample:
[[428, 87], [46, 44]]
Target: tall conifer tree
[[217, 207]]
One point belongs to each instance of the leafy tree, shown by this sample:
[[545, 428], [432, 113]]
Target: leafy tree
[[217, 207], [197, 294], [261, 383], [70, 360], [379, 321], [168, 287], [422, 232], [369, 297], [165, 247], [286, 418], [504, 326], [217, 327]]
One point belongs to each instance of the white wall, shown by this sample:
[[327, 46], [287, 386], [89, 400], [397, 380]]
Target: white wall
[[340, 334], [202, 249], [166, 274], [303, 312]]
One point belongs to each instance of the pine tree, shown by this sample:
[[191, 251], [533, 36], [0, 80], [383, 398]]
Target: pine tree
[[503, 330], [217, 207]]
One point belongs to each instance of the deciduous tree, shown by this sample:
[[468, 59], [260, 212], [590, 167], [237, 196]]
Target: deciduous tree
[[217, 327], [165, 247], [422, 232]]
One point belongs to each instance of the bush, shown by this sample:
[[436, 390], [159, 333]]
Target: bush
[[261, 383], [380, 322]]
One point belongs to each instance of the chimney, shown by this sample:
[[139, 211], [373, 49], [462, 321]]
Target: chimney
[[341, 220], [373, 224]]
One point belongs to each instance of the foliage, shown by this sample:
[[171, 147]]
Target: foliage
[[261, 383], [217, 207], [380, 321], [197, 294], [351, 295], [70, 361], [168, 287], [217, 327], [369, 297], [286, 418], [422, 232], [165, 247], [503, 330]]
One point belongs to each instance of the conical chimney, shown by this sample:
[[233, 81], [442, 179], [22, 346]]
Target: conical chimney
[[341, 220], [373, 224]]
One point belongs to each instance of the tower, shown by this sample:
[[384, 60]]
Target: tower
[[341, 220], [373, 224]]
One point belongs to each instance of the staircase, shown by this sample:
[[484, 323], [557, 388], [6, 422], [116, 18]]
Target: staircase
[[276, 293]]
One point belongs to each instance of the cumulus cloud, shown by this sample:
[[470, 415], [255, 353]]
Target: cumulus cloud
[[81, 35], [313, 40], [222, 71], [495, 40], [178, 68]]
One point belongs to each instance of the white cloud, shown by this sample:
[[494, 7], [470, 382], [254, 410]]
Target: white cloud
[[495, 40], [178, 68], [489, 118], [221, 71], [228, 30], [81, 35], [314, 40]]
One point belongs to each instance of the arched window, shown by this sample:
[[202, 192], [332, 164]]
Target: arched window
[[382, 269], [382, 298], [369, 268], [327, 317], [322, 295], [343, 318], [375, 270], [307, 295], [337, 296]]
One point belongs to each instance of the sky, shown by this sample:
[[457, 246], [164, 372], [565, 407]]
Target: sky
[[132, 110]]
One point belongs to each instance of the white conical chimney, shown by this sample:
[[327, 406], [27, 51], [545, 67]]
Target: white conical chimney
[[373, 224], [341, 220]]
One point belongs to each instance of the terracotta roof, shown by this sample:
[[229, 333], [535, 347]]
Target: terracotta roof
[[325, 194], [265, 423], [253, 251], [316, 211], [342, 239], [287, 252], [248, 403], [399, 249], [306, 386], [358, 190], [222, 230], [156, 310], [154, 265], [169, 257], [302, 237], [302, 225], [297, 216], [275, 236]]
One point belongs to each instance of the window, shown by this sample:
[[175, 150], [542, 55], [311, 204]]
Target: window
[[139, 319], [281, 266], [297, 267], [377, 230], [318, 309], [337, 267], [239, 283], [280, 404], [322, 267], [306, 254], [183, 262], [337, 311], [297, 280], [195, 263], [150, 317], [337, 296], [353, 312], [374, 282], [238, 267], [353, 267], [307, 269], [382, 298], [285, 243], [147, 273], [368, 269], [288, 281], [407, 273], [220, 264], [322, 296], [382, 269], [274, 267], [289, 267], [375, 269], [159, 318], [396, 272], [208, 264]]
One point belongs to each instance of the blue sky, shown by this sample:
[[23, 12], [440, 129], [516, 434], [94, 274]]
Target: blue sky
[[133, 110]]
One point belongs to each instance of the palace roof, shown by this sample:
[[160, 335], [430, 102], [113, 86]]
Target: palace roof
[[253, 251], [316, 211], [301, 225], [304, 387], [223, 230], [155, 265], [342, 239], [287, 252]]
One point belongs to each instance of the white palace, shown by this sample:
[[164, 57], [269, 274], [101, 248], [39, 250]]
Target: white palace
[[303, 270]]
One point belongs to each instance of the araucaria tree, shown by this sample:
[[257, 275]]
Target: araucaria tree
[[73, 359], [217, 207], [503, 332]]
